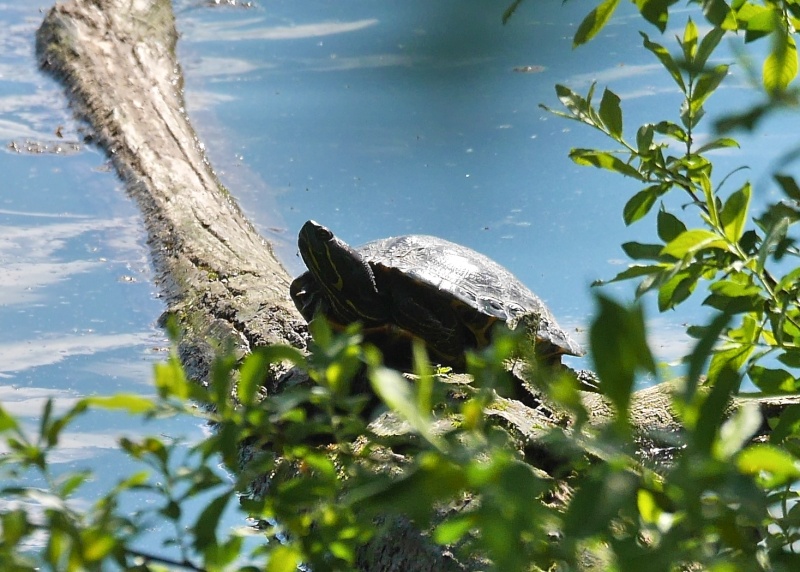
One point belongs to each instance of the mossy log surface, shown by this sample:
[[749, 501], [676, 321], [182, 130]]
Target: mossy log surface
[[218, 277]]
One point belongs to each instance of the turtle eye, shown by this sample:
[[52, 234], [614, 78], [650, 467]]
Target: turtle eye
[[323, 233]]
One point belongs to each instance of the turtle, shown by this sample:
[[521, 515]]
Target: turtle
[[419, 286]]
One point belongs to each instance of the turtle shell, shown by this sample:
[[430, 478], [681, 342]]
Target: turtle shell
[[429, 274]]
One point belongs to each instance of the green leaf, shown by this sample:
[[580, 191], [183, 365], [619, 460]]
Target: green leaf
[[719, 14], [672, 130], [707, 46], [790, 357], [713, 409], [772, 466], [253, 372], [639, 251], [706, 84], [789, 186], [133, 404], [594, 22], [611, 114], [702, 351], [620, 350], [600, 501], [205, 528], [669, 226], [7, 421], [721, 143], [454, 528], [644, 140], [655, 11], [788, 425], [397, 393], [641, 203], [692, 241], [775, 235], [780, 66], [633, 271], [735, 296], [773, 381], [575, 103], [68, 483], [283, 558], [508, 12], [737, 431], [171, 381], [666, 60], [676, 289], [689, 41], [734, 213], [604, 160]]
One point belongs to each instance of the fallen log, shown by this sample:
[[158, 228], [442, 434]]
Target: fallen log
[[221, 280]]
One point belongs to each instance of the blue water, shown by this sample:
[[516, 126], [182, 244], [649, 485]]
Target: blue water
[[374, 118], [385, 118]]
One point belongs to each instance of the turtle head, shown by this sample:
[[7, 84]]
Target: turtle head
[[345, 278]]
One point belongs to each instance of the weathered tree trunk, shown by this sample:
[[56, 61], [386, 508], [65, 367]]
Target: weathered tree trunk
[[219, 278]]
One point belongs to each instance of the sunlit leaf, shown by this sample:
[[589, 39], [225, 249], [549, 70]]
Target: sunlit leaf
[[672, 130], [576, 104], [641, 203], [655, 11], [737, 431], [97, 545], [706, 84], [780, 66], [676, 289], [604, 160], [734, 213], [769, 464], [773, 381], [132, 403], [691, 241], [594, 22], [707, 46], [719, 14], [454, 528], [666, 60], [611, 113], [722, 143], [633, 271], [283, 558], [7, 421], [253, 371], [397, 393], [689, 41]]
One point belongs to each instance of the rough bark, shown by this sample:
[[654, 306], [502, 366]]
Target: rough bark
[[218, 277], [221, 280]]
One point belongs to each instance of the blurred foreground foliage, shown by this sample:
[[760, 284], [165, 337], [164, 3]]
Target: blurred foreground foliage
[[723, 503], [328, 482]]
